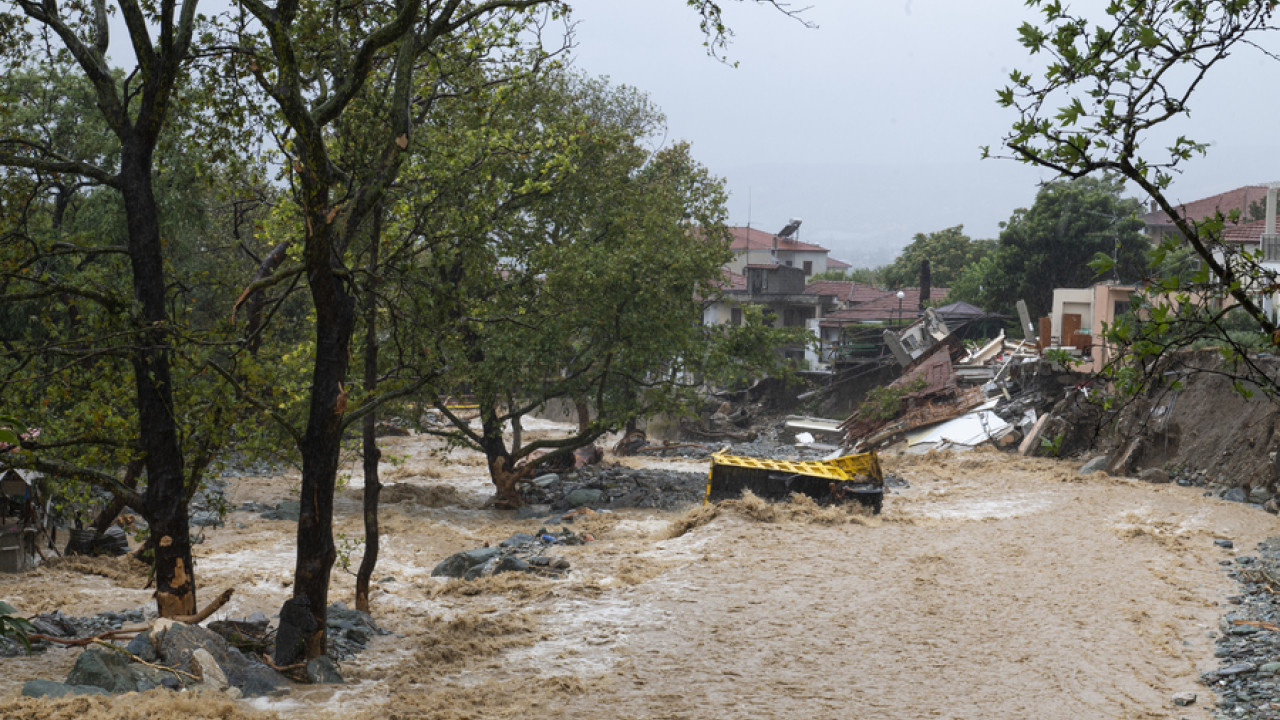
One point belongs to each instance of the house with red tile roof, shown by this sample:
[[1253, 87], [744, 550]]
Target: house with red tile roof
[[756, 247], [1248, 201]]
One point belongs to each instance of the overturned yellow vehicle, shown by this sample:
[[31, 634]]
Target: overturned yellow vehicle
[[852, 478]]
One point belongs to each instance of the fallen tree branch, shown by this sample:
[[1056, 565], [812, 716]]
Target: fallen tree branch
[[81, 642], [1257, 624], [208, 610]]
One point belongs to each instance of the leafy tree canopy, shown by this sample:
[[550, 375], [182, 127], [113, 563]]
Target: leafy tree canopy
[[1051, 244], [948, 251]]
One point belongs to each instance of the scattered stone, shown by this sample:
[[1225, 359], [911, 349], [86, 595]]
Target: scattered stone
[[322, 671], [1237, 669], [1259, 496], [457, 564], [1154, 475], [584, 496], [288, 510], [1270, 668], [1184, 699], [1273, 505], [206, 518], [1097, 464], [517, 540], [1224, 543], [1236, 494], [53, 689], [544, 481]]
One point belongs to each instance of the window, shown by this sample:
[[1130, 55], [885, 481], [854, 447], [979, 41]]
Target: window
[[808, 268], [735, 316]]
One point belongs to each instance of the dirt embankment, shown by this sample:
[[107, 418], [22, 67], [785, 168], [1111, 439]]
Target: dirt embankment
[[1201, 423]]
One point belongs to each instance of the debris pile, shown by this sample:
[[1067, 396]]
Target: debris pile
[[952, 397]]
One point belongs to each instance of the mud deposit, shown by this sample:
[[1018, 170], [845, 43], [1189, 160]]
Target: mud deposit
[[993, 587]]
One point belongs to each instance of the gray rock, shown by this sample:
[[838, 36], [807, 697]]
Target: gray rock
[[1224, 543], [1259, 495], [1236, 494], [457, 564], [180, 642], [322, 671], [1239, 668], [206, 668], [1273, 505], [1184, 699], [511, 564], [543, 481], [296, 624], [104, 669], [206, 518], [53, 689], [1154, 475], [288, 510], [584, 496], [141, 646], [1097, 464], [517, 540], [1270, 668], [484, 569]]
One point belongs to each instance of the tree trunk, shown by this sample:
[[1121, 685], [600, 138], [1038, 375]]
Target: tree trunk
[[372, 485], [165, 500], [501, 470], [116, 505], [584, 414], [321, 442]]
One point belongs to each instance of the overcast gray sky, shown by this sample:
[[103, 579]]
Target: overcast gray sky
[[869, 127]]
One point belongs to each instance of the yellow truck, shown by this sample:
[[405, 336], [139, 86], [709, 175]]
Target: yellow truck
[[852, 478]]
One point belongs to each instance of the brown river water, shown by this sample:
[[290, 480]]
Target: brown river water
[[994, 587]]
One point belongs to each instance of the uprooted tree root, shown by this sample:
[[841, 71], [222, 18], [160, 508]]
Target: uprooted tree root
[[801, 509]]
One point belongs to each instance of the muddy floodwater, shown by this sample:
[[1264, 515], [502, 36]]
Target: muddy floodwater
[[994, 586]]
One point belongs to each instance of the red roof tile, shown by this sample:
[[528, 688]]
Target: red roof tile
[[751, 239], [1250, 232], [838, 288], [733, 281], [1238, 199], [886, 308], [834, 264]]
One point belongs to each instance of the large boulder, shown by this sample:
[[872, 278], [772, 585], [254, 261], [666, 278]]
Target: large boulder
[[457, 564], [53, 689], [105, 669], [177, 643]]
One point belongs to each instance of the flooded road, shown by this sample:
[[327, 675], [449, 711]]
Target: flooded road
[[995, 586]]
